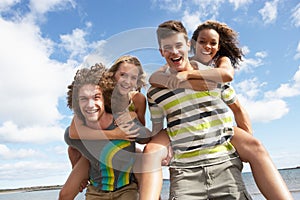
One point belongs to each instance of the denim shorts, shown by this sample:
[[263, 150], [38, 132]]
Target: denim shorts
[[215, 182]]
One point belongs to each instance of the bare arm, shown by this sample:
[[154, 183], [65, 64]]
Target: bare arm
[[200, 79], [79, 131], [241, 116], [164, 80], [224, 72], [79, 174], [139, 101]]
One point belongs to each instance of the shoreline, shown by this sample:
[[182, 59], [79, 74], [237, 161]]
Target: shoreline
[[58, 187], [30, 189]]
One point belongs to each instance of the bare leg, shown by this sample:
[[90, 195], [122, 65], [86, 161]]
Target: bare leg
[[137, 168], [266, 175], [154, 152], [72, 186]]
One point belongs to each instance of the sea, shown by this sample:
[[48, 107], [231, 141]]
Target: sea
[[291, 177]]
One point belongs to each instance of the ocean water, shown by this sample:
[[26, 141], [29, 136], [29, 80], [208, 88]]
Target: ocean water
[[291, 177]]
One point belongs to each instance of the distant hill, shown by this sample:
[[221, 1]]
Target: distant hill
[[31, 189]]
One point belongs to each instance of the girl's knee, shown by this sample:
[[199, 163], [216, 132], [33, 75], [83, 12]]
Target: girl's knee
[[258, 147], [154, 148]]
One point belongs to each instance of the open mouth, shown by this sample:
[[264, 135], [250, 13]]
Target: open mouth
[[93, 111], [176, 60], [124, 87], [206, 52]]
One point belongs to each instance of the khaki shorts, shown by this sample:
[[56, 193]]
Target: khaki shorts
[[129, 192], [217, 182]]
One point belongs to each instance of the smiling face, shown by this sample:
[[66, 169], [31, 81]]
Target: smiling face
[[175, 50], [126, 77], [207, 45], [91, 103]]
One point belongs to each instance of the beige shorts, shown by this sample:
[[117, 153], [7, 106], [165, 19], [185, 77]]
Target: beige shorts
[[218, 182], [129, 192]]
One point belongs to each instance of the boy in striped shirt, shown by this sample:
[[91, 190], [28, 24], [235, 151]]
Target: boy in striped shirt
[[205, 164]]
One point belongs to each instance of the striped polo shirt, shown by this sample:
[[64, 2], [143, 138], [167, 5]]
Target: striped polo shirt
[[199, 123]]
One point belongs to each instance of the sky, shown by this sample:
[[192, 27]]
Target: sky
[[43, 43]]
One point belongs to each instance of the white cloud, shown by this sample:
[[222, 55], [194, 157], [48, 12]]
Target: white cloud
[[42, 7], [33, 169], [248, 64], [126, 42], [169, 5], [260, 107], [264, 110], [296, 78], [30, 83], [287, 89], [261, 54], [296, 15], [6, 4], [208, 9], [269, 12], [34, 165], [62, 150], [191, 20], [269, 105], [250, 88], [285, 158], [239, 3], [297, 56], [6, 153], [10, 132], [75, 43]]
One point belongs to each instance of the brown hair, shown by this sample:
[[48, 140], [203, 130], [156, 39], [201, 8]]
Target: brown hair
[[84, 76], [169, 28]]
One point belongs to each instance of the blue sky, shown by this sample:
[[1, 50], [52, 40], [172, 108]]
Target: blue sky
[[43, 43]]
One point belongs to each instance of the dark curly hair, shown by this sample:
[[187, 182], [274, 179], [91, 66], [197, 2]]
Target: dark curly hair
[[228, 40], [95, 75]]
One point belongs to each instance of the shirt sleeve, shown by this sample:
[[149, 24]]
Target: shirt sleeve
[[71, 142], [228, 94], [67, 137], [156, 112]]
